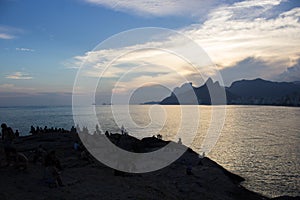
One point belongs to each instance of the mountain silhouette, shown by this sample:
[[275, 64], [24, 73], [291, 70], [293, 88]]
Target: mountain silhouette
[[242, 92]]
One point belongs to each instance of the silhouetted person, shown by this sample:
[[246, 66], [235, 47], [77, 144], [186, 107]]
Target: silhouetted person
[[37, 130], [78, 128], [7, 133], [32, 130], [201, 158], [39, 154], [159, 136], [106, 134], [21, 161], [179, 141], [7, 137], [73, 130], [53, 166], [45, 129], [85, 130], [122, 129], [17, 134], [97, 132], [125, 132], [189, 170], [77, 146]]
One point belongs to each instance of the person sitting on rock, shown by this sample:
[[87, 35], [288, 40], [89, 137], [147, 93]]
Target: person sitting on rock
[[201, 158], [53, 167], [179, 141], [39, 154], [21, 161], [189, 170], [77, 146], [159, 136]]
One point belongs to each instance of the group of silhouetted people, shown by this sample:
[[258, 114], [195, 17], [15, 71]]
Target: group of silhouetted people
[[7, 137], [48, 159], [10, 131], [40, 130], [19, 160]]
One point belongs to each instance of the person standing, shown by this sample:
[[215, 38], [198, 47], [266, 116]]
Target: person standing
[[7, 138]]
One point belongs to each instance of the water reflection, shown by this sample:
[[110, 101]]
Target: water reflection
[[260, 143]]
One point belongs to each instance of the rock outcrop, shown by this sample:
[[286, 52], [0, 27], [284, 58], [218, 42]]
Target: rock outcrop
[[90, 179]]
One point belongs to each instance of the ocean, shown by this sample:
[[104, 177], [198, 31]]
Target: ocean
[[260, 143]]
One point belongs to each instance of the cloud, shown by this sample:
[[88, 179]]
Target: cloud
[[240, 38], [19, 76], [229, 36], [6, 36], [291, 73], [25, 49], [250, 68], [160, 8], [8, 33], [140, 64]]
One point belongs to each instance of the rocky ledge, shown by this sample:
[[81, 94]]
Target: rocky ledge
[[86, 178]]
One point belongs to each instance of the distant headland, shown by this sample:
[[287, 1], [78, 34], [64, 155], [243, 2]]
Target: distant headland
[[242, 92]]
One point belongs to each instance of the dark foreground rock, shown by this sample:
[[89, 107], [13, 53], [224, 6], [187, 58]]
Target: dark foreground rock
[[89, 179]]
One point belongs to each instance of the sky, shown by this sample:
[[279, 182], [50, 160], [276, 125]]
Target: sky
[[44, 43]]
